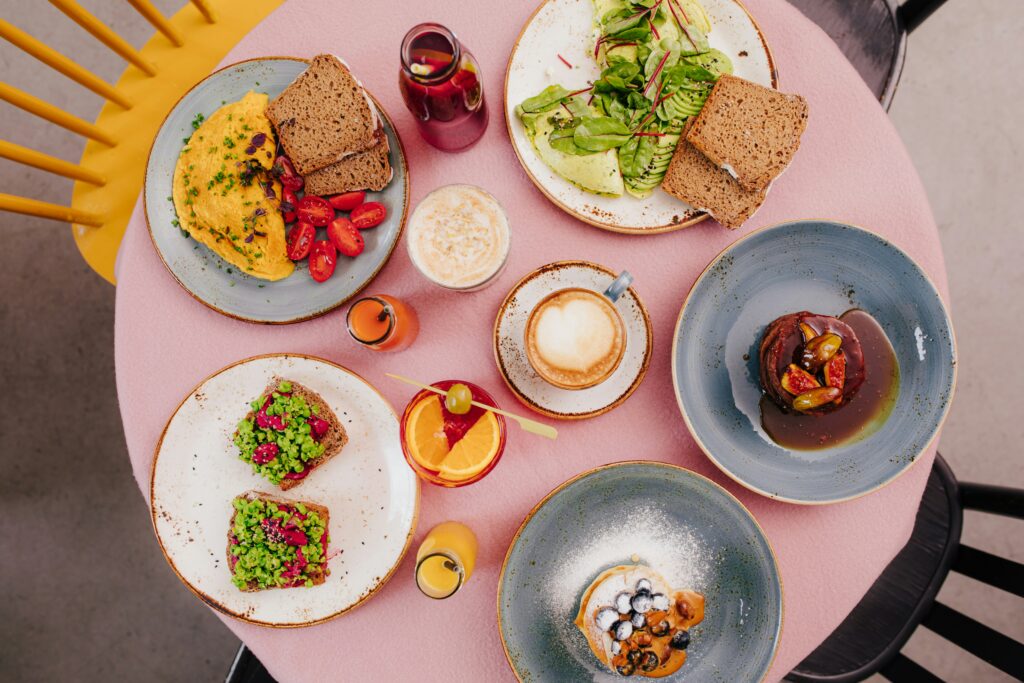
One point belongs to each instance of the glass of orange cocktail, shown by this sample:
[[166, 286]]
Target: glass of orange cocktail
[[452, 448], [382, 323]]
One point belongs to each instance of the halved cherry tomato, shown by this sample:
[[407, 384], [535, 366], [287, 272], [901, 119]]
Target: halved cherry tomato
[[345, 237], [322, 260], [315, 210], [289, 202], [300, 241], [347, 201], [289, 178], [368, 215]]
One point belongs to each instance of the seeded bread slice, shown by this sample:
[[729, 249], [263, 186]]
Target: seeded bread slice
[[692, 177], [751, 129], [323, 116], [317, 577], [333, 441], [369, 170]]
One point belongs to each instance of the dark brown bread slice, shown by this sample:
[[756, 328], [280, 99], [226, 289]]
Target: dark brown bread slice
[[317, 578], [323, 116], [369, 170], [333, 441], [693, 178], [752, 129]]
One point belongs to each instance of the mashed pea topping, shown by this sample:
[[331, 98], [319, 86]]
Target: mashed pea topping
[[276, 545], [278, 440]]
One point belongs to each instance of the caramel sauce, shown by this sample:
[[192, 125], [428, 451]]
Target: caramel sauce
[[861, 415]]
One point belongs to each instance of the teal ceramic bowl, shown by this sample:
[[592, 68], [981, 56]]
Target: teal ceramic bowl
[[682, 525], [212, 280], [826, 268]]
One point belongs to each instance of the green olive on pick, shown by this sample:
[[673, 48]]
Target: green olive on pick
[[459, 399]]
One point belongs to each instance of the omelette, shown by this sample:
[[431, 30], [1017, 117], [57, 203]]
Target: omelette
[[224, 194]]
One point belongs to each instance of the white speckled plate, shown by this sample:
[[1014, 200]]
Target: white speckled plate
[[372, 495], [565, 27], [210, 279], [519, 375]]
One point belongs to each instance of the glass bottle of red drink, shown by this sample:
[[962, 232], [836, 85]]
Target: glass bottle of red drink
[[440, 82]]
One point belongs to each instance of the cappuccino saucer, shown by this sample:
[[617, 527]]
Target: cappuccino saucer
[[523, 380]]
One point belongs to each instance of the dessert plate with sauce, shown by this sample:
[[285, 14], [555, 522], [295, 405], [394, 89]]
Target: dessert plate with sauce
[[564, 30], [213, 281], [594, 535], [900, 359], [510, 343], [370, 492]]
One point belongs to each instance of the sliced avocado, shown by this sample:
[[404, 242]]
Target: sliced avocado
[[598, 173]]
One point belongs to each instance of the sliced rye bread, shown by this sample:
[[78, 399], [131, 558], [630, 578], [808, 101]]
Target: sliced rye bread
[[751, 129], [333, 441], [696, 180], [323, 116], [317, 578], [369, 170]]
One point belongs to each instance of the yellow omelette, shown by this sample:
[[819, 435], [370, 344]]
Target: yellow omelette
[[224, 198]]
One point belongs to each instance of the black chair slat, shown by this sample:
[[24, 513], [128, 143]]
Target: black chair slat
[[904, 670], [984, 642], [998, 500], [247, 669], [991, 569], [913, 12]]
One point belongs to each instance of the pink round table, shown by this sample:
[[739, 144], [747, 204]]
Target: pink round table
[[851, 167]]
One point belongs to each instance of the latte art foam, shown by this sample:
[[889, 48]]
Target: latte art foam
[[575, 338]]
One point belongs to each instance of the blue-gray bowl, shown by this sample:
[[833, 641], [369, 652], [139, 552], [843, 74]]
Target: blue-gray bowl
[[826, 268], [212, 280], [682, 525]]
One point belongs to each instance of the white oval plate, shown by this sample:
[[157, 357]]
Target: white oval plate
[[565, 27], [523, 380], [372, 495]]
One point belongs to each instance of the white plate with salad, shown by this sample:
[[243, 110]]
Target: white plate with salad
[[597, 93]]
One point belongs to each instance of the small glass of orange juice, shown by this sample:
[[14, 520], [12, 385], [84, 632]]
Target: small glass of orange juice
[[382, 323], [447, 440], [445, 560]]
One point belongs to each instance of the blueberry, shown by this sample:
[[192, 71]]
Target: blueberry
[[622, 630], [622, 603], [625, 669], [660, 602], [605, 617], [638, 620], [642, 602], [680, 639], [649, 661], [660, 629], [634, 657], [643, 585]]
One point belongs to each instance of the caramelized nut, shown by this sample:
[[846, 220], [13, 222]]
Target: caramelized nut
[[819, 351], [808, 332], [816, 398], [796, 381], [835, 373]]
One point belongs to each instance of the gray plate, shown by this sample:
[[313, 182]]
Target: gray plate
[[686, 527], [826, 268], [205, 275]]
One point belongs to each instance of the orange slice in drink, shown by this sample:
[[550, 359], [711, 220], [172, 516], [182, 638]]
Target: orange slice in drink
[[424, 434], [473, 452]]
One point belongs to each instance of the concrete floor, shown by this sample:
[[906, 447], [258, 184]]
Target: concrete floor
[[88, 596]]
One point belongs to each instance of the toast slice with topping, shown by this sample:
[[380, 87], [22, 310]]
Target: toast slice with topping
[[749, 130], [369, 170], [277, 543], [323, 116], [288, 432]]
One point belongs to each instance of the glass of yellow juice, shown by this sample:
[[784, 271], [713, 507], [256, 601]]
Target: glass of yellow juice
[[445, 560]]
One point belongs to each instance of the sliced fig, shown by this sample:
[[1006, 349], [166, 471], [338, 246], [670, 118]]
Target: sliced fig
[[796, 381], [816, 398], [835, 373]]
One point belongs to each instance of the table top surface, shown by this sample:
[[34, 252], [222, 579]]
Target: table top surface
[[851, 167]]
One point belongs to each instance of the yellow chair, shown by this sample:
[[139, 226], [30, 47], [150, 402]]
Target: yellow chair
[[108, 179]]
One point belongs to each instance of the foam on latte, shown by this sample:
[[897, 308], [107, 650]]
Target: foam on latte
[[575, 338]]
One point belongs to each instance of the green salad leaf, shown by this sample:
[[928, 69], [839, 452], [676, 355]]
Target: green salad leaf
[[548, 98], [598, 133]]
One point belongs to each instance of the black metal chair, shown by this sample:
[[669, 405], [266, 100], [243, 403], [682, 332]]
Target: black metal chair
[[870, 639], [872, 34]]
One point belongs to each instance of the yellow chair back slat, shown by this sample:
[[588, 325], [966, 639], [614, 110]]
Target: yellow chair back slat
[[103, 33], [30, 157], [32, 207], [59, 62], [45, 110], [204, 8], [148, 10]]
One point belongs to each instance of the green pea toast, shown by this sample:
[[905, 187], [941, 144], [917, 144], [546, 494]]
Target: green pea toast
[[275, 543], [288, 432]]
